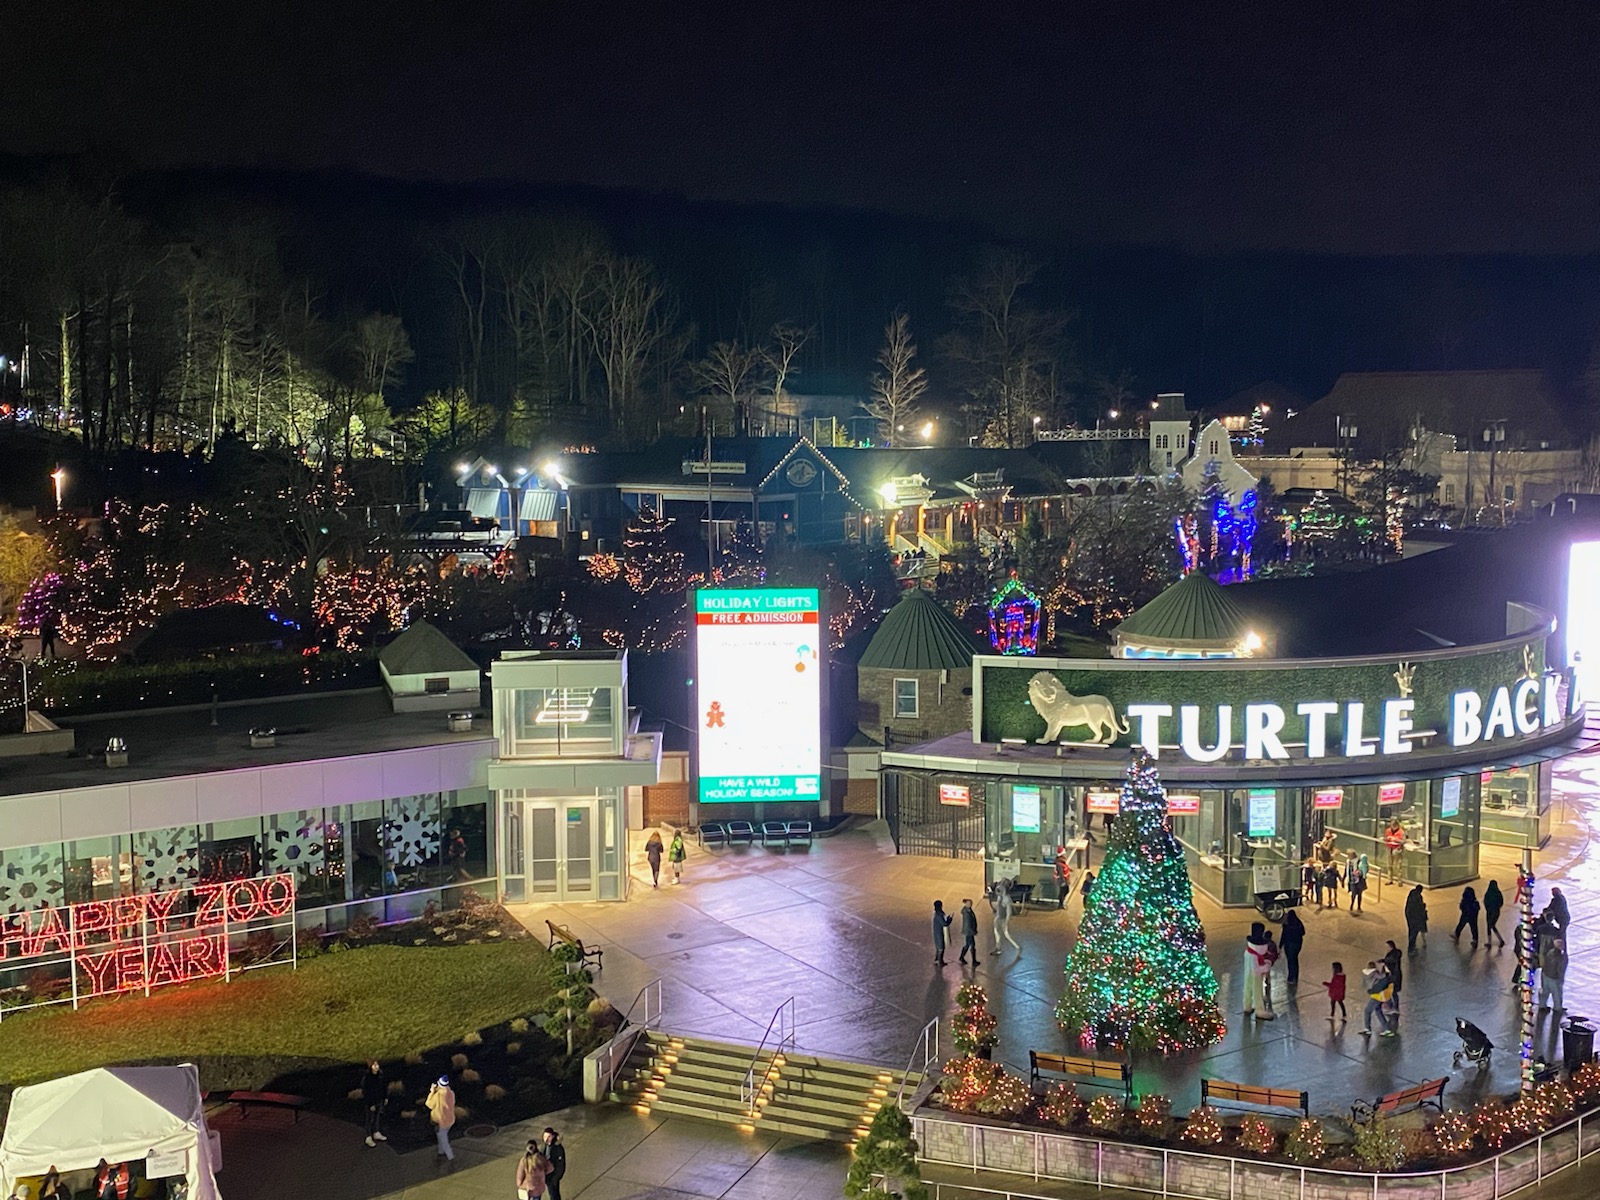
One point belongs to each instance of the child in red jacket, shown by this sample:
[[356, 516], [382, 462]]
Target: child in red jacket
[[1335, 988]]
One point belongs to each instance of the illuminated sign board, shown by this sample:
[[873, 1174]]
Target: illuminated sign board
[[1105, 802], [1328, 798], [1450, 797], [1391, 793], [1263, 813], [1182, 805], [1582, 619], [955, 793], [758, 659], [1024, 809], [137, 943]]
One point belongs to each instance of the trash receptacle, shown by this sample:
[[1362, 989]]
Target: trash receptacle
[[1577, 1042]]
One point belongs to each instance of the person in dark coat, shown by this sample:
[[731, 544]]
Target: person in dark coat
[[1293, 937], [374, 1091], [557, 1154], [653, 850], [1416, 919], [1391, 964], [1493, 902], [1469, 916], [941, 922], [1556, 912]]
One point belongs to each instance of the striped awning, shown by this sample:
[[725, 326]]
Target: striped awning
[[538, 504]]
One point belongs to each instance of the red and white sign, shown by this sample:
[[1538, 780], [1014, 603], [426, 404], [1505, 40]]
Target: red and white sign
[[955, 793], [1182, 805], [1105, 802], [1327, 798], [1391, 793], [135, 943], [1485, 776]]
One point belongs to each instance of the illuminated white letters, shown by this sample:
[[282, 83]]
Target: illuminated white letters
[[1262, 725], [1524, 707], [1149, 718], [1499, 714], [1396, 724], [1189, 733], [1355, 743], [1316, 713], [1465, 724], [1552, 699]]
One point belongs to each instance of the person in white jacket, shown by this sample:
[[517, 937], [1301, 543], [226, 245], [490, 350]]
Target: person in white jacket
[[1000, 898]]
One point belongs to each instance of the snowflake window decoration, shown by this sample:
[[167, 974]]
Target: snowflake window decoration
[[411, 833], [30, 878]]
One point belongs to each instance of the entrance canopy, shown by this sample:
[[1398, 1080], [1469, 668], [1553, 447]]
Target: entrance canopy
[[121, 1114]]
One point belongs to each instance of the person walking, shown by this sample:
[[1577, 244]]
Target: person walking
[[1085, 888], [1256, 966], [1416, 919], [1469, 916], [556, 1151], [969, 933], [1556, 912], [1391, 965], [1000, 897], [941, 922], [533, 1169], [653, 849], [442, 1112], [1552, 975], [1063, 873], [1394, 841], [676, 853], [1292, 938], [1376, 985], [1335, 988], [374, 1091], [1493, 901]]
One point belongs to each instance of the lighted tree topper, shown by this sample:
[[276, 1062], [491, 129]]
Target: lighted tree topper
[[1014, 619], [1138, 976]]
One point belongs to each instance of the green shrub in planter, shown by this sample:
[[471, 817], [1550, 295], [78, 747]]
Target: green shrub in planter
[[1378, 1146], [1306, 1143], [887, 1155]]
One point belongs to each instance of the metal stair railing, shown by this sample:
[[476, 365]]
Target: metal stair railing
[[628, 1033], [927, 1045], [751, 1090]]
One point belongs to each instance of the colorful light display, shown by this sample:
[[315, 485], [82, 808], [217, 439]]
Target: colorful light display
[[136, 943], [1138, 976], [1014, 619]]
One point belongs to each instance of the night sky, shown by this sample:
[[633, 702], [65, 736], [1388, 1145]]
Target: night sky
[[1341, 128]]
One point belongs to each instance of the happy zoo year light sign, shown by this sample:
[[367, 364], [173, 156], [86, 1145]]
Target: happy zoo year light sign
[[136, 943]]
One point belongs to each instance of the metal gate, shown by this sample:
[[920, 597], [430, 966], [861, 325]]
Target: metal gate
[[920, 824]]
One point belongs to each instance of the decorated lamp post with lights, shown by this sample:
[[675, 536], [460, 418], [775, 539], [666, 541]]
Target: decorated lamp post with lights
[[1014, 618], [1137, 978]]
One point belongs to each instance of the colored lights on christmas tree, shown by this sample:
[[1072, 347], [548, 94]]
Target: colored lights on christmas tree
[[1138, 976], [1014, 613]]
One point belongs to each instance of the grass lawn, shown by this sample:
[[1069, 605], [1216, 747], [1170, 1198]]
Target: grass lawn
[[380, 1001]]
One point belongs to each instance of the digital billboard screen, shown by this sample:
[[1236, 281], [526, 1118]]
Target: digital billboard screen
[[758, 660]]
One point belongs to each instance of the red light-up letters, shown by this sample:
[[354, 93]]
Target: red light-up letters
[[135, 943]]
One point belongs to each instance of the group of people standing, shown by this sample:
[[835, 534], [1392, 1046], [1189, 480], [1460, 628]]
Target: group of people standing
[[1546, 941], [998, 895], [1325, 870]]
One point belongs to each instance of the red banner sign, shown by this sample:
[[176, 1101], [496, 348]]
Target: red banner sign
[[955, 793], [1182, 805], [1328, 798], [1391, 793], [1105, 802]]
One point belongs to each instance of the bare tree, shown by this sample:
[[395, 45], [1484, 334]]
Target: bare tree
[[725, 376], [630, 319], [899, 386], [788, 339], [381, 348]]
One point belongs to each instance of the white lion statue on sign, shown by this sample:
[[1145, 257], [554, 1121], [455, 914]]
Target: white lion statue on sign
[[1062, 710]]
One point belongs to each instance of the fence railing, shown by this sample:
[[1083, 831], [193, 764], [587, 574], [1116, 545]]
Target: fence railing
[[644, 1012], [1197, 1175], [784, 1032], [927, 1049]]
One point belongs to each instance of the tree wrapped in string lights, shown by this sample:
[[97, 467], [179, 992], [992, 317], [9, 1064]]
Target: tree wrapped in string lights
[[1138, 976]]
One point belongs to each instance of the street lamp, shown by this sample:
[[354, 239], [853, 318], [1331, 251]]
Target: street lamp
[[60, 478], [1346, 430]]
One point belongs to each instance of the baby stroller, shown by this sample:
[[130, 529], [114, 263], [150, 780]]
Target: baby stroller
[[1475, 1045]]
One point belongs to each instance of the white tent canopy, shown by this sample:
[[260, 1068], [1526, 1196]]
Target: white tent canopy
[[121, 1114]]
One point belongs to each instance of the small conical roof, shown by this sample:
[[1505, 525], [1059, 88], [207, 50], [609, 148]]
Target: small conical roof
[[423, 650], [919, 635], [1195, 611]]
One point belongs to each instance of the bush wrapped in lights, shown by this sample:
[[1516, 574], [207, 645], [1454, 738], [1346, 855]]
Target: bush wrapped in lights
[[1306, 1143], [1061, 1106], [1203, 1128], [1491, 1121], [1154, 1115], [1453, 1132], [1106, 1113], [1138, 976], [1379, 1146], [1256, 1136], [976, 1085], [973, 1028]]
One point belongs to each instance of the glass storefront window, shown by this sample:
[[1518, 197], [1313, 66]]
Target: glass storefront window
[[166, 859], [95, 869], [546, 722], [1516, 805], [230, 850], [31, 877], [303, 845], [466, 836], [370, 854]]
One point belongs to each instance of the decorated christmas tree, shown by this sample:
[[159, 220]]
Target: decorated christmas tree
[[1138, 976], [884, 1157]]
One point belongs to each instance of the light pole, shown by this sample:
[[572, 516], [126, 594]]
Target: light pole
[[1493, 435], [59, 476], [1346, 431]]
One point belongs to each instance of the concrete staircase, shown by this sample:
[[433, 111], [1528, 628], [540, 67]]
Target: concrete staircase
[[804, 1096]]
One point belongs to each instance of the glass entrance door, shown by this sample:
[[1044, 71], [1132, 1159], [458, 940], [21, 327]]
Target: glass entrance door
[[560, 854]]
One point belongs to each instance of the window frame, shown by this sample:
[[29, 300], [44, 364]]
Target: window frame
[[916, 699]]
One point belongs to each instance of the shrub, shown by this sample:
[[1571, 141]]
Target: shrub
[[1453, 1132], [1106, 1112], [1060, 1106], [519, 1025], [1203, 1128], [414, 1059], [1586, 1080], [1305, 1143], [1154, 1115], [513, 1048], [353, 1094], [1378, 1146], [458, 1062], [1256, 1136], [494, 1092], [397, 1087], [473, 1038], [1523, 1115], [308, 942], [974, 1027], [977, 1085], [1491, 1121], [1552, 1101], [471, 1076], [361, 928], [463, 1113]]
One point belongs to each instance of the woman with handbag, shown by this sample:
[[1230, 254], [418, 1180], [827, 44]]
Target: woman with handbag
[[532, 1168]]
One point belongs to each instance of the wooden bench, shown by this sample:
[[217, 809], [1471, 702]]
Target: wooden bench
[[741, 831], [1404, 1100], [775, 831], [248, 1100], [1096, 1070], [799, 831], [713, 833], [1249, 1093], [560, 933]]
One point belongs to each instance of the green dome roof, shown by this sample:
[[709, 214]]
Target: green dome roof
[[919, 635], [1194, 612]]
